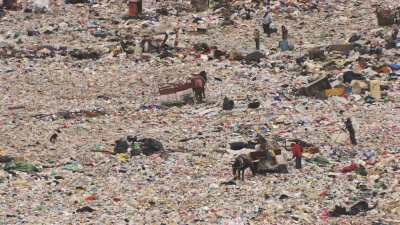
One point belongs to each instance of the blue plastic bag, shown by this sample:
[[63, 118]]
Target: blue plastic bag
[[284, 45], [395, 66]]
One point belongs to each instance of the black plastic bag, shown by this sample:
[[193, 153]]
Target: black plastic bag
[[348, 76], [228, 104], [238, 145], [150, 146]]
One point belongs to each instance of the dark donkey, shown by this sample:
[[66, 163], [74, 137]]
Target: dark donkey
[[198, 85]]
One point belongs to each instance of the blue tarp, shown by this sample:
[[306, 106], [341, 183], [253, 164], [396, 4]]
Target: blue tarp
[[284, 45], [395, 66]]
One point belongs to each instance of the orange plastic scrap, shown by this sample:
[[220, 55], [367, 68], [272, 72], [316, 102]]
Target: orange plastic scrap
[[384, 69], [334, 92]]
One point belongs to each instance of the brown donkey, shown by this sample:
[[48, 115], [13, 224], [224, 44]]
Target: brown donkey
[[198, 85]]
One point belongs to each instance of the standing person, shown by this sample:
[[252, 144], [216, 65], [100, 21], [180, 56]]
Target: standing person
[[284, 44], [257, 38], [164, 42], [176, 42], [267, 21], [350, 128], [267, 3], [285, 33], [297, 153], [395, 32], [9, 4]]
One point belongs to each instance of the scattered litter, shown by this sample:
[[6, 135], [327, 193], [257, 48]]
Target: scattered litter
[[137, 112], [22, 166]]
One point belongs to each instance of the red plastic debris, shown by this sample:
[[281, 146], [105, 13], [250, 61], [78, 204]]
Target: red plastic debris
[[324, 215], [115, 199], [90, 198], [350, 168]]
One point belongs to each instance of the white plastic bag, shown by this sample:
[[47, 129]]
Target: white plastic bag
[[40, 6]]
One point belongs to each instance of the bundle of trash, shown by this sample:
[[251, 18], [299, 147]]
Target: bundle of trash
[[133, 146], [267, 158]]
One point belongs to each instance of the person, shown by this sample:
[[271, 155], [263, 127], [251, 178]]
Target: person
[[139, 6], [138, 49], [10, 4], [297, 153], [145, 43], [395, 33], [257, 38], [267, 21], [262, 143], [284, 44], [246, 13], [350, 128], [285, 33], [164, 42], [176, 41], [264, 146]]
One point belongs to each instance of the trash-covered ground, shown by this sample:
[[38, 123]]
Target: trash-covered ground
[[70, 89]]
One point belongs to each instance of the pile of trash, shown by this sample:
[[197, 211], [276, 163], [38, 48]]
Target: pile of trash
[[298, 121]]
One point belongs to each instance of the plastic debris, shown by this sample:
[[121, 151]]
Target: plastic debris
[[22, 166], [89, 70]]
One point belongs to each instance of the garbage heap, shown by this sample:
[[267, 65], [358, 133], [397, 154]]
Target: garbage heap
[[76, 76]]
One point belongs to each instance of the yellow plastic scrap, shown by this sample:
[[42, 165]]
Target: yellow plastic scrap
[[122, 157], [21, 183]]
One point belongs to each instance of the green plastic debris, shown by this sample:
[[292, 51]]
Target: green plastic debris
[[361, 171], [39, 208], [50, 161], [53, 173], [380, 185], [71, 166], [22, 166], [135, 149], [319, 160], [386, 99], [98, 148]]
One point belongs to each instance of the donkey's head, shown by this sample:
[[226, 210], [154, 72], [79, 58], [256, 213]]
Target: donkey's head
[[203, 74]]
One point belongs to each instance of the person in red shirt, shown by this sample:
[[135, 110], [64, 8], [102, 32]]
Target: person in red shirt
[[297, 152]]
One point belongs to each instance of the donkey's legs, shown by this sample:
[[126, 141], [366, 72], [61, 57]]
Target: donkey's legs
[[198, 95]]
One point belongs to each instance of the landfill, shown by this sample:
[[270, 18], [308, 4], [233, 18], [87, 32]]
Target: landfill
[[87, 138]]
